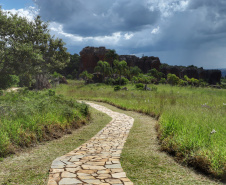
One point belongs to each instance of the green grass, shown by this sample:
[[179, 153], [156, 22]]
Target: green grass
[[32, 166], [186, 116], [27, 118], [151, 166]]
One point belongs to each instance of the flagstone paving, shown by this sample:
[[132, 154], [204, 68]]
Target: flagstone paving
[[98, 160]]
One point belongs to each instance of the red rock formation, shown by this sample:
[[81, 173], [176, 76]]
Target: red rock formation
[[90, 56]]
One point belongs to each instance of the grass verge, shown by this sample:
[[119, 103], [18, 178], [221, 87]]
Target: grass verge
[[32, 167], [143, 161], [29, 117]]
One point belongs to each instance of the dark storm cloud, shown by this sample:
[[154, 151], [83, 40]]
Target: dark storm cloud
[[99, 17]]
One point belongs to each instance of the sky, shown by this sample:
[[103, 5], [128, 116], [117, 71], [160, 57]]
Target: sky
[[179, 32]]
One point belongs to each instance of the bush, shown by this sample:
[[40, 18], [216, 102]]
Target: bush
[[117, 88], [110, 81], [69, 77], [162, 81], [51, 92], [7, 81], [123, 81], [140, 86], [172, 79]]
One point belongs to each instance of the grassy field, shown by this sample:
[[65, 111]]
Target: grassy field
[[187, 116], [28, 117]]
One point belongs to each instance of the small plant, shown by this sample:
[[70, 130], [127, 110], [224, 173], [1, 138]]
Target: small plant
[[1, 92], [140, 86], [51, 92], [117, 88]]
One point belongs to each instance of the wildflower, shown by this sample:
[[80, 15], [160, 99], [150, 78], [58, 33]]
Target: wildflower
[[213, 131]]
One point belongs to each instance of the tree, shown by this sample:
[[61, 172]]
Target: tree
[[27, 49], [172, 79], [111, 56], [120, 67], [134, 71], [86, 76], [104, 68]]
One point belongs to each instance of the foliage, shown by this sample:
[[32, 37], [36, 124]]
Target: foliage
[[120, 68], [51, 92], [86, 76], [104, 68], [134, 71], [155, 73], [163, 81], [111, 55], [121, 81], [30, 117], [7, 81], [27, 48], [172, 79], [117, 88], [140, 86]]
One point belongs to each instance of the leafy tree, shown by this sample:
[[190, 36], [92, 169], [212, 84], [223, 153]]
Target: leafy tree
[[86, 76], [134, 71], [27, 48], [155, 73], [111, 56], [172, 79], [120, 67], [104, 68]]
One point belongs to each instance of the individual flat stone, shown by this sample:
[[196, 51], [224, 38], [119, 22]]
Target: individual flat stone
[[69, 181], [68, 175]]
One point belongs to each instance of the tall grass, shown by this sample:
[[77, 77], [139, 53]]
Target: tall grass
[[187, 117], [30, 117]]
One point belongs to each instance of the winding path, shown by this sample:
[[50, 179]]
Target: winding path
[[97, 160]]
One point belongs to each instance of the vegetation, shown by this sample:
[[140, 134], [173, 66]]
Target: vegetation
[[27, 118], [187, 116], [27, 50], [33, 166]]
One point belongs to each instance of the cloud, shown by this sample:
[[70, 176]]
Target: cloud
[[99, 17], [181, 32], [30, 12]]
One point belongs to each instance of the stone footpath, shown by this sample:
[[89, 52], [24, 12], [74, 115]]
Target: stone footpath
[[97, 160]]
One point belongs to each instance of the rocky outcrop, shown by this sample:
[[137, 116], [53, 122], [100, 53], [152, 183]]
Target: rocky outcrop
[[90, 56], [210, 76]]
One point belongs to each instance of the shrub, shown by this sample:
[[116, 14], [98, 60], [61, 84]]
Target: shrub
[[1, 92], [162, 81], [69, 77], [7, 81], [110, 81], [123, 80], [140, 86], [51, 92], [172, 79], [117, 88]]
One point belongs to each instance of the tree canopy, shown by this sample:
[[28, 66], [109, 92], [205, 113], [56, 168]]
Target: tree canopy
[[27, 48]]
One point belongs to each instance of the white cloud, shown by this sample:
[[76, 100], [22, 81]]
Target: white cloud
[[155, 30], [30, 13]]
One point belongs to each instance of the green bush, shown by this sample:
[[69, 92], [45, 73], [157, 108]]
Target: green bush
[[51, 92], [122, 81], [140, 86], [117, 88], [69, 77], [7, 81], [1, 92], [110, 81], [172, 79]]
